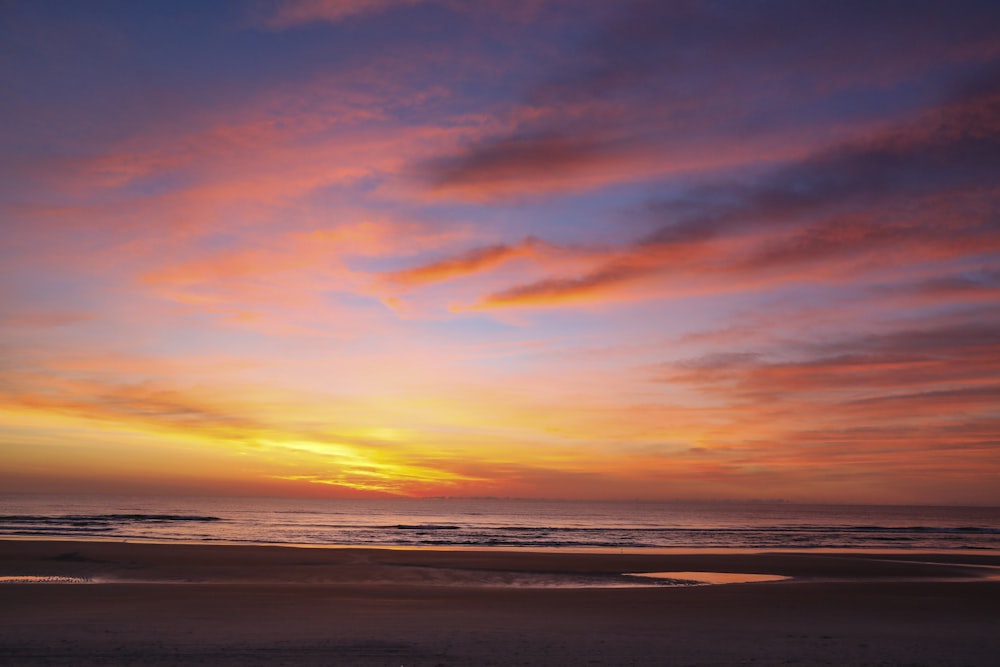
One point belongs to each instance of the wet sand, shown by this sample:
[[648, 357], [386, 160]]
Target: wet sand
[[151, 604]]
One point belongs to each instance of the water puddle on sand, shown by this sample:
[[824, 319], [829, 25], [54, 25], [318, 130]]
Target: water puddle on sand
[[31, 579], [710, 577]]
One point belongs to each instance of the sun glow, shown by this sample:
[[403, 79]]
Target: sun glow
[[357, 468]]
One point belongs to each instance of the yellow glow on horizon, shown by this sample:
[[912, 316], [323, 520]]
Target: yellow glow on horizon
[[357, 468]]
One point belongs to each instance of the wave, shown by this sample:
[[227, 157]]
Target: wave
[[497, 531], [27, 524]]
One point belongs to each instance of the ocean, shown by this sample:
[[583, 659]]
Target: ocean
[[500, 523]]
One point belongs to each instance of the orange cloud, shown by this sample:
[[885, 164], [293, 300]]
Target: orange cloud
[[472, 261], [909, 405]]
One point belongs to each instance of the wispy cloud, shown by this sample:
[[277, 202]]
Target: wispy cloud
[[895, 192], [291, 13], [929, 387], [931, 357], [667, 88], [463, 264], [283, 14]]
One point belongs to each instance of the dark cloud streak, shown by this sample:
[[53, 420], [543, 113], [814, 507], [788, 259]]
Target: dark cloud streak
[[960, 360], [682, 76], [927, 187]]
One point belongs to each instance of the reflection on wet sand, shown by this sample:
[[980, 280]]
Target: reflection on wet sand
[[710, 577]]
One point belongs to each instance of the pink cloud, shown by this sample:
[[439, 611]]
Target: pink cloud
[[919, 193], [292, 13]]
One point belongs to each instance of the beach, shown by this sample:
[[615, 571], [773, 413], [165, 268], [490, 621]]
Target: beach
[[170, 604]]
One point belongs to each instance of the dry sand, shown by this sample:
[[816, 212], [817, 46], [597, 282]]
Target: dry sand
[[152, 605]]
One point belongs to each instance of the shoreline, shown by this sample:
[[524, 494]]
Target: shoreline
[[96, 539], [265, 605], [70, 554]]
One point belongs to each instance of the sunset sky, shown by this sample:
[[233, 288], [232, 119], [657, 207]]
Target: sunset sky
[[531, 248]]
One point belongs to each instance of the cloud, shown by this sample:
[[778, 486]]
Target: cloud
[[272, 435], [298, 283], [591, 286], [471, 261], [294, 13], [665, 88], [921, 192], [968, 285], [929, 372], [35, 319], [541, 160], [240, 212], [913, 405], [144, 404]]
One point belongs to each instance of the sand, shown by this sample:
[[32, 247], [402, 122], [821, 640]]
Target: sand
[[152, 605]]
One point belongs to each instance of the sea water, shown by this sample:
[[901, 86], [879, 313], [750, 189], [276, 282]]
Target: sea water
[[501, 523]]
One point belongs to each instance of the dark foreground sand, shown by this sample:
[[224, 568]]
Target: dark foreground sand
[[155, 605]]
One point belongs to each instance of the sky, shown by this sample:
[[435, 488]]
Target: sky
[[569, 249]]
